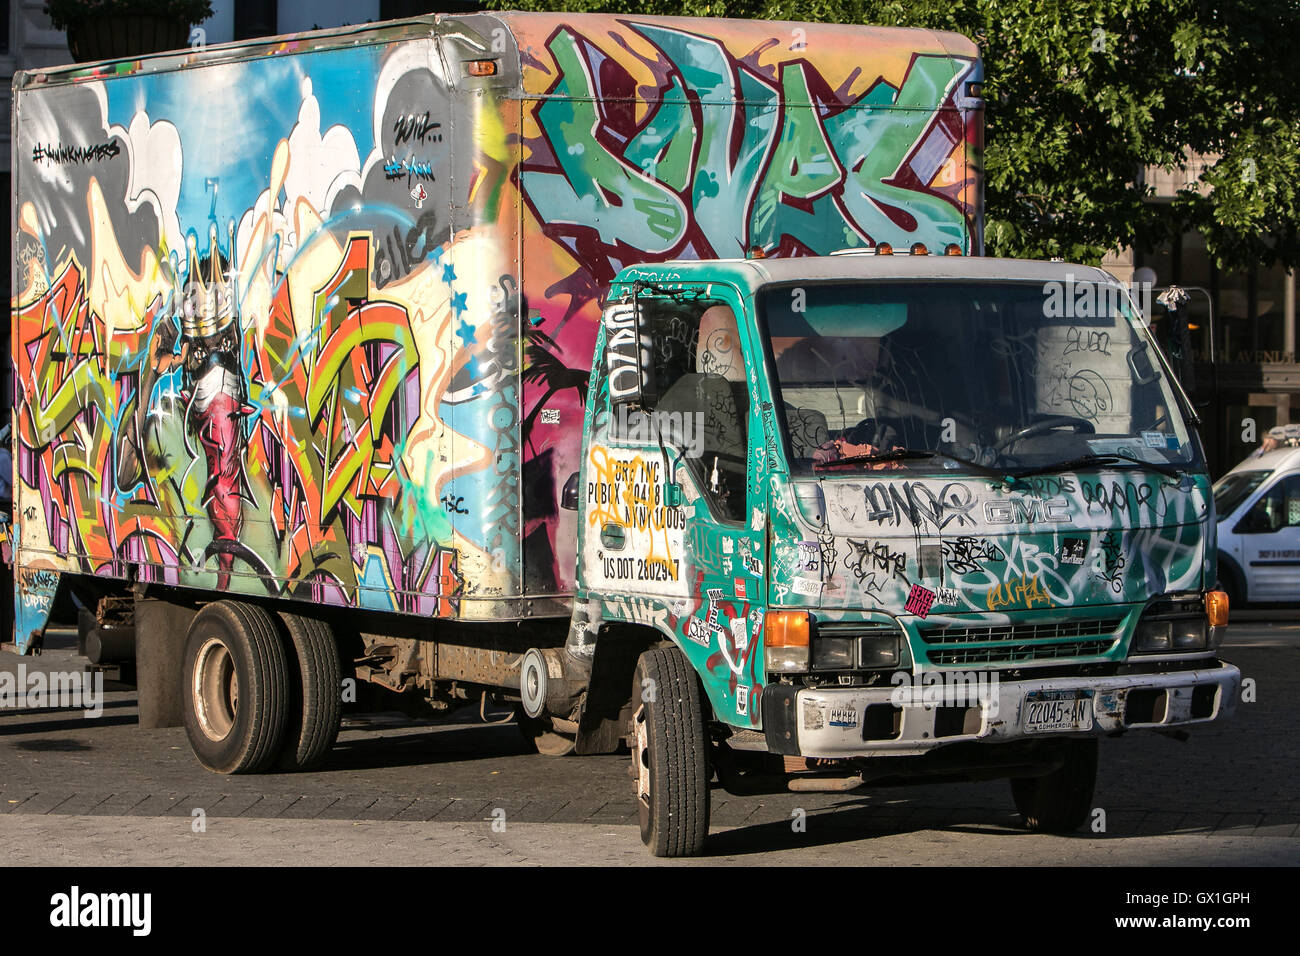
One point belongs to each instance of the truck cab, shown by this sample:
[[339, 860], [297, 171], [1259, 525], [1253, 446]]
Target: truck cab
[[890, 517]]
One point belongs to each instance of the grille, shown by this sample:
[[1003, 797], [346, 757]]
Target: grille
[[1019, 653], [1019, 643], [1000, 633]]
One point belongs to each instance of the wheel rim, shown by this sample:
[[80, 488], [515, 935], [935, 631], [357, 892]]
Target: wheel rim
[[216, 689], [641, 760]]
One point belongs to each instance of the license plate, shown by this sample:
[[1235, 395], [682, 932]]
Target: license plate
[[1056, 711]]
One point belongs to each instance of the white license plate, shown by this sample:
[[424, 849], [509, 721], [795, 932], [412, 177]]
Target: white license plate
[[1057, 711]]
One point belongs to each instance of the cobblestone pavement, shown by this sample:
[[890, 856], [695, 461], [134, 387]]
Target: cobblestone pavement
[[76, 790]]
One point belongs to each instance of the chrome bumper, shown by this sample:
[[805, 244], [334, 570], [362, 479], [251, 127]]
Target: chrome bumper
[[833, 721]]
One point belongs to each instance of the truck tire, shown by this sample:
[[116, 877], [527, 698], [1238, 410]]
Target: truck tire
[[237, 688], [670, 754], [315, 693], [1060, 801]]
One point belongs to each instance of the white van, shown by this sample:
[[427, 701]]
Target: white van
[[1258, 512]]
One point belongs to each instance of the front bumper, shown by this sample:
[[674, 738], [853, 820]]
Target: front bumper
[[837, 722]]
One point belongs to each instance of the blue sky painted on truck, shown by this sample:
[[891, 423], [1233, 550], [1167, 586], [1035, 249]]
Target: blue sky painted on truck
[[235, 145]]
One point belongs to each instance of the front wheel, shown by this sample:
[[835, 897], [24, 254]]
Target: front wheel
[[1060, 802], [670, 754]]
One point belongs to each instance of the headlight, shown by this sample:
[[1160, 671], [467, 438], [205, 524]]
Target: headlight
[[1182, 623], [880, 650], [1189, 635], [839, 647], [1178, 634], [833, 654], [1153, 636]]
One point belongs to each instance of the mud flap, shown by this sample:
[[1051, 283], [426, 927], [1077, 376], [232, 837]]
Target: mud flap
[[34, 592]]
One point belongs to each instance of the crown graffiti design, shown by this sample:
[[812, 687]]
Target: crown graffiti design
[[207, 302]]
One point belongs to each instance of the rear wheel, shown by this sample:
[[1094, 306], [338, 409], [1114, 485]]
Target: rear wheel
[[315, 693], [237, 688], [1060, 802], [670, 754]]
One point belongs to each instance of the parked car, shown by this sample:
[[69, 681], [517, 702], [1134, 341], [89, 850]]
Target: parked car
[[1258, 509]]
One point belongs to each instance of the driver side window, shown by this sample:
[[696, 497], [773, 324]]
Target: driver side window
[[703, 405]]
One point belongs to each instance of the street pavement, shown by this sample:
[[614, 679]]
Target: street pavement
[[102, 791]]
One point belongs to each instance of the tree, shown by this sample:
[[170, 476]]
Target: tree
[[1082, 97]]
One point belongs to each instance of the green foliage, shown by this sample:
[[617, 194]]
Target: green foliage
[[1083, 97], [65, 12]]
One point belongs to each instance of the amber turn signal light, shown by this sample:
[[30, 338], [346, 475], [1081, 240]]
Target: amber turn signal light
[[1216, 608], [786, 636], [786, 628]]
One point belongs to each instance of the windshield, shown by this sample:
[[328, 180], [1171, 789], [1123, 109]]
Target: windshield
[[968, 375], [1234, 488]]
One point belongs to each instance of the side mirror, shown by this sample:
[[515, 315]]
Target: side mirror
[[1139, 363], [569, 496], [629, 353]]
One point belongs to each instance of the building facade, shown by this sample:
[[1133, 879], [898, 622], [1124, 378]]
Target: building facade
[[1243, 326]]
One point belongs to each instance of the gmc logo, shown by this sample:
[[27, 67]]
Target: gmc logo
[[1026, 511]]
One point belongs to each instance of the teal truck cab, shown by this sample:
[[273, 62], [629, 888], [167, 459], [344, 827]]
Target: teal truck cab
[[877, 518]]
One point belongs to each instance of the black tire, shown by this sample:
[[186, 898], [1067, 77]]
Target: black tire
[[1061, 801], [236, 688], [670, 754], [315, 693]]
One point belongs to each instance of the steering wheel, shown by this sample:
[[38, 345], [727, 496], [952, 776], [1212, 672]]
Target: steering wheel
[[1080, 426]]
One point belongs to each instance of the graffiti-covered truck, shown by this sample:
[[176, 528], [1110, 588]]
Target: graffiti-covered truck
[[905, 517], [328, 373]]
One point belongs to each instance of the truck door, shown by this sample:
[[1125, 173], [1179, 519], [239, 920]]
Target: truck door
[[1270, 537], [689, 437]]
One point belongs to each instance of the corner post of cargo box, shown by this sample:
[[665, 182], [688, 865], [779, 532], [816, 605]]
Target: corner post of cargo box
[[479, 57]]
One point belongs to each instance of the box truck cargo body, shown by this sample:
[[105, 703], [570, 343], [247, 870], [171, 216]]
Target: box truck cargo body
[[312, 319]]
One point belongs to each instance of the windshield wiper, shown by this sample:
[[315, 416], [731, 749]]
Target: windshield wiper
[[1109, 458], [908, 454]]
